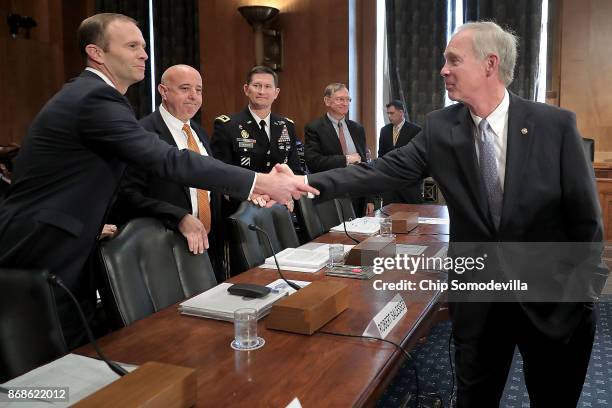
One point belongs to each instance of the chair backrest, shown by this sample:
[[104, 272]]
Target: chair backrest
[[146, 267], [250, 248], [308, 219], [30, 330], [330, 214], [589, 148]]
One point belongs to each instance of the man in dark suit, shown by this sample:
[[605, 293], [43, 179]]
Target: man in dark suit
[[520, 196], [73, 157], [399, 132], [256, 138], [180, 208], [333, 141]]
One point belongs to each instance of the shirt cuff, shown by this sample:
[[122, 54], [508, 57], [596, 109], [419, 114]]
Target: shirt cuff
[[252, 187], [309, 195]]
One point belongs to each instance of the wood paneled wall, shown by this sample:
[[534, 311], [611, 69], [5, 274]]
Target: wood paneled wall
[[315, 49], [32, 70], [586, 69]]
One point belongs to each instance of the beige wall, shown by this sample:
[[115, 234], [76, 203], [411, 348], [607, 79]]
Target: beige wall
[[585, 74]]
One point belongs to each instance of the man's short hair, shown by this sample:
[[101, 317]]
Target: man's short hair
[[93, 30], [489, 38], [262, 69], [333, 88], [396, 103]]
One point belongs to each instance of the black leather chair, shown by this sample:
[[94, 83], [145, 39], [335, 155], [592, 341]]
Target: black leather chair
[[30, 330], [250, 248], [589, 148], [147, 267], [330, 214], [308, 219]]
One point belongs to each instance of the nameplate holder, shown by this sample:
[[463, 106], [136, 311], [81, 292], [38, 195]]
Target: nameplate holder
[[385, 320], [364, 253], [402, 222]]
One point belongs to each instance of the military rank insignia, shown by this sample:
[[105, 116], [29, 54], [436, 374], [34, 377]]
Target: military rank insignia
[[245, 161]]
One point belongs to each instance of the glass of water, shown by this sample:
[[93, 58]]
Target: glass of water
[[336, 255], [245, 330], [386, 228]]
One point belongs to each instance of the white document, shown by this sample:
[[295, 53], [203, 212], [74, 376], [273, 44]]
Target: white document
[[217, 303], [364, 225], [82, 375], [309, 258], [436, 221]]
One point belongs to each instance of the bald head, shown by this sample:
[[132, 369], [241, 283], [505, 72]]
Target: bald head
[[181, 91]]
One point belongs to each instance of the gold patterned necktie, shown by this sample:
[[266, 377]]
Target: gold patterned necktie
[[203, 200], [395, 134]]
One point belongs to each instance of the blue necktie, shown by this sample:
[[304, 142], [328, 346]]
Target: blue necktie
[[488, 169]]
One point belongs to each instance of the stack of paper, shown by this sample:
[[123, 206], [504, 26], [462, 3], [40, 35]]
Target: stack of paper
[[217, 303], [296, 259], [364, 225], [309, 257]]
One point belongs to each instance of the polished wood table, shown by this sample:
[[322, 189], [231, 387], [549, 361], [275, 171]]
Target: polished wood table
[[321, 370]]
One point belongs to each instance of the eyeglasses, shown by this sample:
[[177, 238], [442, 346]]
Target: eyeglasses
[[259, 87], [342, 99]]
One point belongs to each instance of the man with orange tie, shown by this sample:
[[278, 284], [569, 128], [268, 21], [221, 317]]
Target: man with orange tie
[[399, 132], [185, 209]]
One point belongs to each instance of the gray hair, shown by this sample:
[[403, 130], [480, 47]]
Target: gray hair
[[333, 88], [490, 38]]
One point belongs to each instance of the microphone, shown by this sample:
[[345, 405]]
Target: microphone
[[355, 240], [254, 227], [120, 371]]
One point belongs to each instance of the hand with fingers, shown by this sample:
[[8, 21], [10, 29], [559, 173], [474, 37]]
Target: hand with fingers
[[195, 234]]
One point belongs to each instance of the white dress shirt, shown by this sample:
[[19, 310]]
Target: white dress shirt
[[258, 120], [101, 75], [498, 120], [175, 126]]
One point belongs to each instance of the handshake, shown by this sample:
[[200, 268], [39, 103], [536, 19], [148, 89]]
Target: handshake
[[279, 186]]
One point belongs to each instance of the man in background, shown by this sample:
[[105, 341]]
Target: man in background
[[399, 132], [256, 138], [191, 211], [334, 141]]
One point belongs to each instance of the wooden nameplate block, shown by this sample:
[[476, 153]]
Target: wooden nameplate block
[[309, 308], [402, 222], [151, 385], [374, 247]]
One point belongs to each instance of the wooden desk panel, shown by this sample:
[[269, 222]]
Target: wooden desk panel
[[321, 370]]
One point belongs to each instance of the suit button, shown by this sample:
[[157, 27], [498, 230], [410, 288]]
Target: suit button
[[268, 152], [268, 164]]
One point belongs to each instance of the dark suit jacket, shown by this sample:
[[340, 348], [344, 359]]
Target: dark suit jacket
[[411, 193], [322, 150], [142, 194], [69, 168], [238, 140], [549, 196]]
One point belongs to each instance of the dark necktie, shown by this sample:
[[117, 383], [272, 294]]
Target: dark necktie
[[203, 200], [488, 169], [342, 137]]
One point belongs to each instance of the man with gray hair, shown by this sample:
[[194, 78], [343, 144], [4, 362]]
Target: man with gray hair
[[334, 141], [515, 180]]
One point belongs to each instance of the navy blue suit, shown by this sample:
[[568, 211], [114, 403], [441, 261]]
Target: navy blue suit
[[66, 175]]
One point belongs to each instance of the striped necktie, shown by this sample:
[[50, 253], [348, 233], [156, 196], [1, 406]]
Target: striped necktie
[[395, 134], [203, 200]]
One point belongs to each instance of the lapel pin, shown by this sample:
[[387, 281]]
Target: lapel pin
[[524, 131]]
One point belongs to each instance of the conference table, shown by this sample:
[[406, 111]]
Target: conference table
[[321, 369]]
